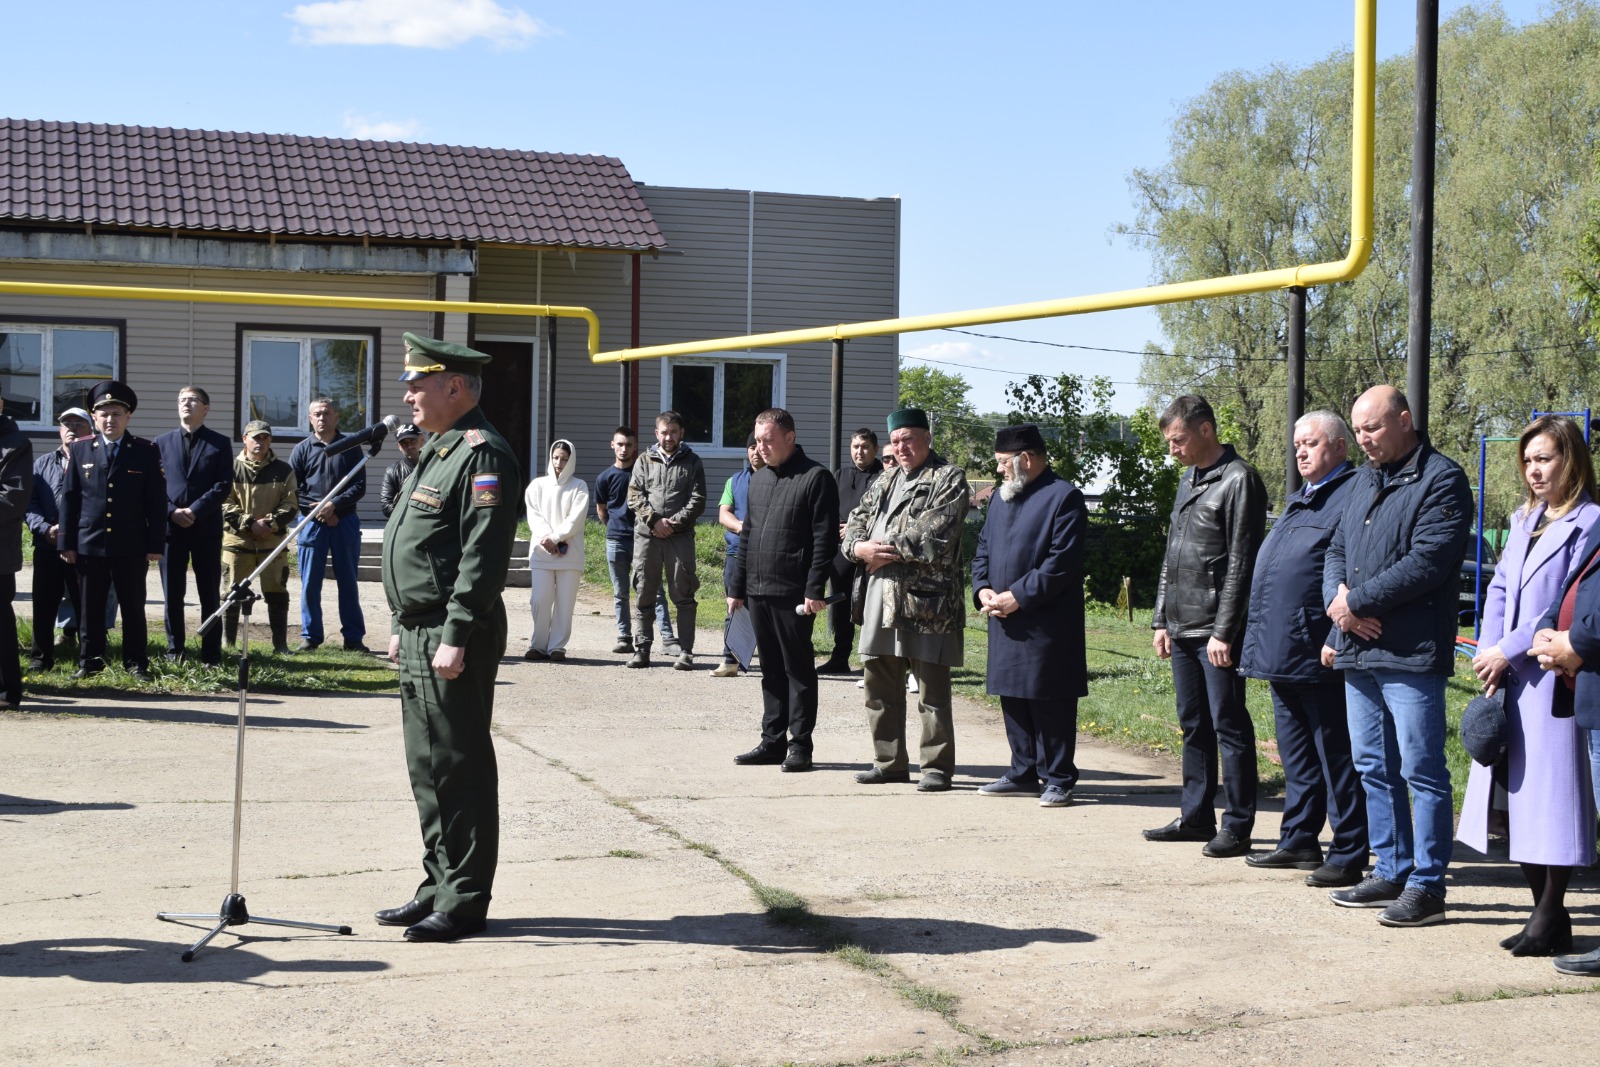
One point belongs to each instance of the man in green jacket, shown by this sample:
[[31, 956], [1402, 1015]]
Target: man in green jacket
[[445, 553], [256, 518]]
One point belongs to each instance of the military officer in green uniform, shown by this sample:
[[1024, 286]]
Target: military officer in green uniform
[[445, 552]]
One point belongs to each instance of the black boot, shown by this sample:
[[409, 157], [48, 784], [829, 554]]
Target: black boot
[[230, 627], [278, 620]]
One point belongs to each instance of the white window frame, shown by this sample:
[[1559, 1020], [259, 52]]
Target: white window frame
[[47, 377], [719, 447], [304, 397]]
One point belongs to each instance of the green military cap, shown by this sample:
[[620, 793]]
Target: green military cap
[[912, 418], [425, 356], [255, 426]]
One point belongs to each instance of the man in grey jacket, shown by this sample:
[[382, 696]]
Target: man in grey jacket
[[667, 494], [1218, 521]]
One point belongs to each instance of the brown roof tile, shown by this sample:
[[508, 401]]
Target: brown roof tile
[[316, 186]]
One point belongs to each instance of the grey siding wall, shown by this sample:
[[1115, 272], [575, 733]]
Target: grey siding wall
[[809, 261], [169, 345]]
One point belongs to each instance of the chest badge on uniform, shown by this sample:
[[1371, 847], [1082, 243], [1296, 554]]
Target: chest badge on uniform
[[428, 496], [485, 490]]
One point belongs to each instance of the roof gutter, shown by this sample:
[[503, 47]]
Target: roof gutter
[[230, 296], [1306, 275]]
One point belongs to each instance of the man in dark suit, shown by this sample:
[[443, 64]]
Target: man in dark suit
[[16, 485], [198, 463], [113, 526], [53, 578], [1027, 577], [1568, 642]]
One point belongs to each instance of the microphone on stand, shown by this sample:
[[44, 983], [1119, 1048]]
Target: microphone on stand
[[374, 433]]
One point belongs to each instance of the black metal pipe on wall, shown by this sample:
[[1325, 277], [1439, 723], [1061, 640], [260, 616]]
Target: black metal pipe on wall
[[1420, 332]]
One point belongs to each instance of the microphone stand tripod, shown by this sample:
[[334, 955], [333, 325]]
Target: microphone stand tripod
[[234, 911]]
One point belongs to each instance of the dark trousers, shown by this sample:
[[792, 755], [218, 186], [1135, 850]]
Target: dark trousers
[[451, 762], [98, 575], [839, 621], [53, 578], [1320, 779], [1044, 740], [10, 665], [788, 671], [1215, 721], [205, 552]]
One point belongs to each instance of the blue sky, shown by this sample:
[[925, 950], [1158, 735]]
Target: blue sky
[[1007, 129]]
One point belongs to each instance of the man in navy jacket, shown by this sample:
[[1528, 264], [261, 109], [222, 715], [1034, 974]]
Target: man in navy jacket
[[1289, 643], [198, 464], [1389, 582], [1027, 577]]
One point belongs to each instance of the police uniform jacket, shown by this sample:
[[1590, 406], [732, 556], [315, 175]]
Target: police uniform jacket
[[1033, 547], [447, 546], [114, 512]]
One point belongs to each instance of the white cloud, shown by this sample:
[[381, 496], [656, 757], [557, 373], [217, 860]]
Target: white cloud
[[954, 352], [372, 128], [414, 23]]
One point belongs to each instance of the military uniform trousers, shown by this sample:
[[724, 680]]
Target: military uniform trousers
[[238, 565], [450, 758], [97, 576], [885, 678]]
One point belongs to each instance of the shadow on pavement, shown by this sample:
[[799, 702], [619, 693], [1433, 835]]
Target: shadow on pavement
[[127, 961], [154, 711], [33, 806], [749, 932]]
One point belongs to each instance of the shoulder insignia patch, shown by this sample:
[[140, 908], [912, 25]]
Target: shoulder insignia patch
[[485, 488], [474, 438]]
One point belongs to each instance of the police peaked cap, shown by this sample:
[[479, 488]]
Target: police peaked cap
[[113, 392]]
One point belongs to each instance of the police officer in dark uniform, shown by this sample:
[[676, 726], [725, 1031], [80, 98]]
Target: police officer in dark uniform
[[445, 553], [113, 526]]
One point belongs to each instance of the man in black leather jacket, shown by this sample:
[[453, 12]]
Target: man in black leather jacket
[[1218, 521], [409, 441]]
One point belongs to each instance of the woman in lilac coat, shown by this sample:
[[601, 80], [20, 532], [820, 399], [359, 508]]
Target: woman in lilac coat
[[1548, 811]]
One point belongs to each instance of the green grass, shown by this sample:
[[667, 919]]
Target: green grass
[[326, 669]]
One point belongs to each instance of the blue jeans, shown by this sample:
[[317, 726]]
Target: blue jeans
[[1397, 740], [344, 542], [1594, 765], [619, 564]]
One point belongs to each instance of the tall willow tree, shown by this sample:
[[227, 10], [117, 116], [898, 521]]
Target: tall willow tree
[[1259, 177]]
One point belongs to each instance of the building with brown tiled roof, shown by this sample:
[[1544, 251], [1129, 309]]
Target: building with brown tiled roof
[[110, 205]]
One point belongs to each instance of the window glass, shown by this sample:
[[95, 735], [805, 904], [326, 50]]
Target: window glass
[[339, 370], [746, 393], [694, 397], [274, 386], [21, 365], [82, 358]]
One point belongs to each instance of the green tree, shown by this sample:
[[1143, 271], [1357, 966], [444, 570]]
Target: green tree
[[1259, 178]]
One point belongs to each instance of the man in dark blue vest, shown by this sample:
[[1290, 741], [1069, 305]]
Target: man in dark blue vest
[[198, 464], [1288, 641], [1027, 577], [113, 526]]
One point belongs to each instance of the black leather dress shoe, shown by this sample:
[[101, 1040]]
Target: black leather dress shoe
[[797, 760], [404, 915], [1333, 876], [1300, 859], [761, 754], [442, 926], [1226, 846], [1176, 831]]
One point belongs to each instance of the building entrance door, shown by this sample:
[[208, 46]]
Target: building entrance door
[[508, 395]]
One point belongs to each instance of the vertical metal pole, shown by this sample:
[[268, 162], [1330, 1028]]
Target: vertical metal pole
[[836, 424], [1296, 392], [629, 413], [1477, 578], [1422, 153], [549, 388]]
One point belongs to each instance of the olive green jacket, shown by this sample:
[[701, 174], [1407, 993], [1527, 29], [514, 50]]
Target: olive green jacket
[[925, 590], [448, 544], [260, 491]]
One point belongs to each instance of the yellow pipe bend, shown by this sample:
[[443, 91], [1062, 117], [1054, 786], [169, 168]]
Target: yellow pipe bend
[[1362, 147], [228, 296]]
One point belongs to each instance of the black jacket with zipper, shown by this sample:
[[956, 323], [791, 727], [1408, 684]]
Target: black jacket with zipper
[[1218, 521]]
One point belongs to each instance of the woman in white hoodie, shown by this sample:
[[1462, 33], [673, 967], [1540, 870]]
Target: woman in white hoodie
[[557, 505]]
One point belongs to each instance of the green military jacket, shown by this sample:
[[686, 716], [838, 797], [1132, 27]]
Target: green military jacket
[[448, 544]]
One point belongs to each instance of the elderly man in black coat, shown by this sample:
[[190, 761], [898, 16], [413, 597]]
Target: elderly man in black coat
[[1027, 577]]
